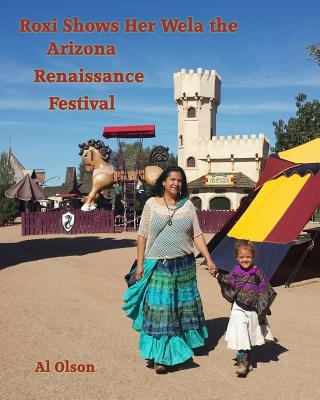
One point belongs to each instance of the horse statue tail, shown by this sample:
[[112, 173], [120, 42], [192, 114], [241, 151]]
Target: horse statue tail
[[153, 171]]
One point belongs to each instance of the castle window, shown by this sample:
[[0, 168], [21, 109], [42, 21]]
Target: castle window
[[191, 162], [180, 140], [191, 112]]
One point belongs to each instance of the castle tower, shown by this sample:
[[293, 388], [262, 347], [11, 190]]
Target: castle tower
[[197, 95], [220, 170]]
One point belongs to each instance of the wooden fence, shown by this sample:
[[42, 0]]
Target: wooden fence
[[213, 221], [101, 221], [44, 223], [210, 221]]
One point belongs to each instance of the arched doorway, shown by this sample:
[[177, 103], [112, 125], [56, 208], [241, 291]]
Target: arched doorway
[[220, 203], [243, 199], [197, 202]]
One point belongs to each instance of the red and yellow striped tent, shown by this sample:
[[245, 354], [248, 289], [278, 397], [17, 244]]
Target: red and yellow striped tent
[[283, 200]]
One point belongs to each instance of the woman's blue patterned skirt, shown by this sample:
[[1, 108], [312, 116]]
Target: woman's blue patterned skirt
[[171, 320]]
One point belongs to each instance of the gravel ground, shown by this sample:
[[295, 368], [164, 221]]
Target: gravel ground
[[61, 300]]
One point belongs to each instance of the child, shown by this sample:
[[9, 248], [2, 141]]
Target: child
[[247, 288]]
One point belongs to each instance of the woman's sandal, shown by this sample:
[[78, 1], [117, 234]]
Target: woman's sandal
[[160, 368], [150, 364]]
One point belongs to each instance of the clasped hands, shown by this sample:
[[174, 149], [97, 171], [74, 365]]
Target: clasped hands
[[212, 268]]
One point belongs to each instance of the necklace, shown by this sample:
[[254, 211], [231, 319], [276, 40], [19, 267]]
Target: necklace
[[170, 213]]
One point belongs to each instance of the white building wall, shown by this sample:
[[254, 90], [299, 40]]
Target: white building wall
[[247, 151]]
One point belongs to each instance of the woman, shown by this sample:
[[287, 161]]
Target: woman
[[169, 315], [140, 190]]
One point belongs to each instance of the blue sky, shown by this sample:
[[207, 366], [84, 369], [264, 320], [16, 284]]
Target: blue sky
[[263, 67]]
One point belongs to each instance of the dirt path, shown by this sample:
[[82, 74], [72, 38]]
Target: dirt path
[[61, 300]]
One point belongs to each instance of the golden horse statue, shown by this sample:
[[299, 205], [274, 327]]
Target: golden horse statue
[[95, 155]]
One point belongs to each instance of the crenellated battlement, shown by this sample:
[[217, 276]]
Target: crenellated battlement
[[231, 140], [224, 146], [197, 84], [239, 140]]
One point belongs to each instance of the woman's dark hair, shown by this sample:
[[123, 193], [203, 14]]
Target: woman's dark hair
[[158, 189]]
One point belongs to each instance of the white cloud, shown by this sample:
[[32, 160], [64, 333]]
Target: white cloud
[[11, 73], [49, 126], [265, 82], [26, 104], [148, 109], [255, 108]]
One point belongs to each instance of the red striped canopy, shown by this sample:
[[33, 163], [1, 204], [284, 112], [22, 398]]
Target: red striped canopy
[[129, 132], [286, 195]]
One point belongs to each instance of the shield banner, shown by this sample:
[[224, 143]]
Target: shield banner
[[67, 221]]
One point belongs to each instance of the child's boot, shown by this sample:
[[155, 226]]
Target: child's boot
[[243, 363]]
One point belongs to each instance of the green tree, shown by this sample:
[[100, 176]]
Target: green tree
[[133, 155], [300, 129], [130, 155], [314, 52], [172, 160], [6, 171], [9, 208]]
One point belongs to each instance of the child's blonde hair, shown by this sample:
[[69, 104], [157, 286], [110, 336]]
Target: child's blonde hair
[[245, 244]]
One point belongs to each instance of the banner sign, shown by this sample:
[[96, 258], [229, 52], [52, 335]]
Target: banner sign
[[220, 179]]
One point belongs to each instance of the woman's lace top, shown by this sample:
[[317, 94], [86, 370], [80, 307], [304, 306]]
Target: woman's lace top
[[163, 240]]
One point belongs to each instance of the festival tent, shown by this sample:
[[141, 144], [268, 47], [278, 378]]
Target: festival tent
[[274, 214], [26, 189]]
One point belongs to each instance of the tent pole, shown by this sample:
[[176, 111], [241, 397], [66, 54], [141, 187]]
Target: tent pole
[[300, 262], [122, 158]]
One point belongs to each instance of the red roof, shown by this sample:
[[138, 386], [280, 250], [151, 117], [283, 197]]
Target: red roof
[[129, 132]]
